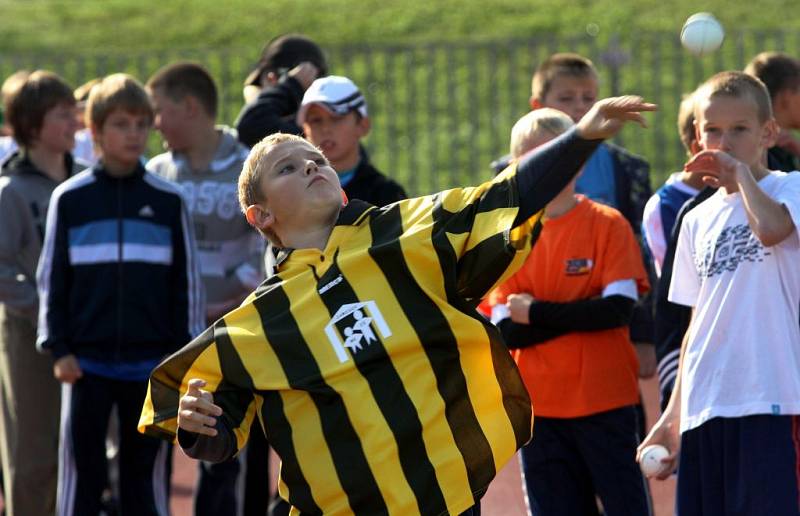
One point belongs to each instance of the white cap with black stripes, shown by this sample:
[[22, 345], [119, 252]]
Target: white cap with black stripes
[[339, 95]]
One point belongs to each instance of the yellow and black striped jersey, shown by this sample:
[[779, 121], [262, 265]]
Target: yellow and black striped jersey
[[376, 381]]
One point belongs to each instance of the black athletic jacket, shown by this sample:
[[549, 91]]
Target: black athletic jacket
[[117, 276]]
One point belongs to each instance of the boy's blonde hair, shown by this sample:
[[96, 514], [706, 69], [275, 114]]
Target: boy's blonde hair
[[569, 64], [116, 91], [250, 179], [686, 129], [737, 85], [536, 124], [82, 92]]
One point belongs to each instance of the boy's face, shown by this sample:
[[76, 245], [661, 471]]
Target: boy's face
[[123, 137], [171, 119], [574, 95], [336, 135], [731, 124], [300, 187], [57, 133]]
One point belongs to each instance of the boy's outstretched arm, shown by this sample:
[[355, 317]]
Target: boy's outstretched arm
[[544, 172]]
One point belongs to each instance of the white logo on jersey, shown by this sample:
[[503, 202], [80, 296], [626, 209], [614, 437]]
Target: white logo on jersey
[[326, 287], [146, 211], [359, 333]]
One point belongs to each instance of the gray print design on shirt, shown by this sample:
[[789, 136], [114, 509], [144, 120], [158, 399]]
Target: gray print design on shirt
[[732, 247]]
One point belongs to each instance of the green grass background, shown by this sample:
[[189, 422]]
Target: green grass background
[[445, 79]]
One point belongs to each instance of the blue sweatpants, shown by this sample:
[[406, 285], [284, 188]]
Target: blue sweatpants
[[748, 466]]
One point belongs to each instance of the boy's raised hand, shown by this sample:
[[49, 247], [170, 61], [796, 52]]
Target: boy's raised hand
[[717, 168], [305, 73], [607, 116], [196, 411]]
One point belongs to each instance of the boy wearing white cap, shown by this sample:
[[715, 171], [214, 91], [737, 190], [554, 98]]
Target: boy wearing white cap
[[333, 115]]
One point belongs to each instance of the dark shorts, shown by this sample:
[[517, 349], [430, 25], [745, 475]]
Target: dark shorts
[[740, 466]]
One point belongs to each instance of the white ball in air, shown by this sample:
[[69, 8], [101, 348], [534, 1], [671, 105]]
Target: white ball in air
[[702, 34]]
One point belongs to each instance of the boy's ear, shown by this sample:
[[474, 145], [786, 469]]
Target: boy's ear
[[94, 131], [697, 134], [365, 125], [193, 106], [535, 103], [259, 217], [770, 133]]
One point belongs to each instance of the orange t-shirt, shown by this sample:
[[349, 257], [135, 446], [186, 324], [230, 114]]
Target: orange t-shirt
[[575, 257]]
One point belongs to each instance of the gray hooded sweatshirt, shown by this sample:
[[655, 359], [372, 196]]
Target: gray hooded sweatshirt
[[230, 252], [24, 197]]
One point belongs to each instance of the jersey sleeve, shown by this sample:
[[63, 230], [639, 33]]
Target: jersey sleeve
[[684, 287], [209, 357], [476, 232]]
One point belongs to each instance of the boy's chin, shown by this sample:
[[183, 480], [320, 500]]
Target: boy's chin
[[327, 205]]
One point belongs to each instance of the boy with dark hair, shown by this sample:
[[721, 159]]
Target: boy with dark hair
[[780, 73], [205, 160], [377, 383], [274, 89], [333, 115], [8, 145], [40, 111], [119, 289], [738, 385]]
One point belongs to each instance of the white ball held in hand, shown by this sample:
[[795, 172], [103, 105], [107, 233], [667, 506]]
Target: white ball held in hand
[[702, 34], [650, 460]]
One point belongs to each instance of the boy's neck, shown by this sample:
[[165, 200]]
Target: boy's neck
[[119, 169], [347, 163], [316, 238], [561, 205], [51, 163], [759, 170], [312, 233], [203, 147]]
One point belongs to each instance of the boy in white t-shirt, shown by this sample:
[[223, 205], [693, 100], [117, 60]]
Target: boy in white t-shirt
[[737, 398]]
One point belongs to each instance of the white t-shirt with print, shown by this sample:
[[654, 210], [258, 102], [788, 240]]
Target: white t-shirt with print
[[743, 354]]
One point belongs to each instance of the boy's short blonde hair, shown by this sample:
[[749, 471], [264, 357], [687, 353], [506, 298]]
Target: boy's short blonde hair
[[82, 92], [250, 179], [565, 63], [117, 91], [737, 85], [686, 129], [536, 124]]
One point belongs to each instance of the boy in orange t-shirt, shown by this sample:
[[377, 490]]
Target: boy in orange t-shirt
[[565, 314]]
